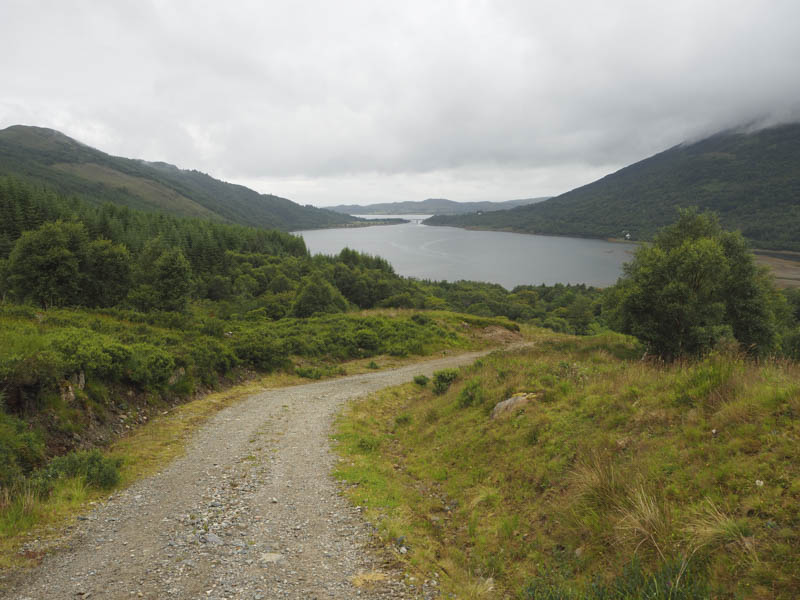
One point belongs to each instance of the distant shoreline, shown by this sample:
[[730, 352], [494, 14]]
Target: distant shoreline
[[784, 264]]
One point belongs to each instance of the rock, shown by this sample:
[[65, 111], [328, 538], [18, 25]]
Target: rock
[[78, 380], [67, 393], [511, 404], [271, 557], [211, 538]]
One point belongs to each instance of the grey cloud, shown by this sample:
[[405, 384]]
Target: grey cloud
[[323, 94]]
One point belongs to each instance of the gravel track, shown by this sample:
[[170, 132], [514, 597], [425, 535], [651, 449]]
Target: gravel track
[[250, 511]]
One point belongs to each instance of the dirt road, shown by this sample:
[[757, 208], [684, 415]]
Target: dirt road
[[250, 511]]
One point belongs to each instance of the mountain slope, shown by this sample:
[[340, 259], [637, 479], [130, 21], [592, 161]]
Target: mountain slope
[[46, 156], [751, 179], [435, 206]]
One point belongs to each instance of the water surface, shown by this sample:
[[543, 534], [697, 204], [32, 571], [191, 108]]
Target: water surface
[[449, 253]]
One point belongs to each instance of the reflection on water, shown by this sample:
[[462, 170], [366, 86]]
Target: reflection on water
[[449, 253]]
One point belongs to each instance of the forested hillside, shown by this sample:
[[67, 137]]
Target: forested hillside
[[44, 156], [751, 180], [204, 278]]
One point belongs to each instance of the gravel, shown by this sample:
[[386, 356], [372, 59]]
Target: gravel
[[250, 511]]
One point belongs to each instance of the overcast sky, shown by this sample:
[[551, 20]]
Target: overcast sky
[[329, 102]]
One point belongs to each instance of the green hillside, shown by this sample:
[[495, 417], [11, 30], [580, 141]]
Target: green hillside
[[435, 206], [69, 167], [752, 180], [573, 470]]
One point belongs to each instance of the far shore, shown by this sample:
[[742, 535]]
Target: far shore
[[784, 264]]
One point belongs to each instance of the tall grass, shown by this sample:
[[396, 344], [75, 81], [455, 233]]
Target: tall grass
[[621, 478]]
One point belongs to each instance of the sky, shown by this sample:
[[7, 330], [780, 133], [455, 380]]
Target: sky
[[350, 102]]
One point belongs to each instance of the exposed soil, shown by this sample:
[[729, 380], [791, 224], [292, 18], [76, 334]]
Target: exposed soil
[[785, 266], [250, 511]]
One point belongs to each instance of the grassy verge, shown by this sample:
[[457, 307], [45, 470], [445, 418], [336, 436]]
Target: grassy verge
[[27, 514], [611, 478]]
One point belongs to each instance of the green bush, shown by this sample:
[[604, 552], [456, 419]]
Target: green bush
[[442, 380], [97, 470], [308, 372], [94, 353], [211, 357], [420, 319], [21, 450], [471, 394], [367, 340], [421, 380], [260, 350], [150, 366]]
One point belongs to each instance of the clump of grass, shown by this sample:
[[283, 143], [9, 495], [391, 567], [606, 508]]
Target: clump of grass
[[598, 482], [421, 380], [646, 521], [710, 528], [471, 394]]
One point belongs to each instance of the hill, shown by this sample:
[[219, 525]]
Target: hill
[[69, 167], [752, 180], [434, 206]]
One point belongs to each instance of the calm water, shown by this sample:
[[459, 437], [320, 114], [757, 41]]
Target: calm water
[[450, 253]]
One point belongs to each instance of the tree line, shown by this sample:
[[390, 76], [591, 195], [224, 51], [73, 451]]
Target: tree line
[[693, 288]]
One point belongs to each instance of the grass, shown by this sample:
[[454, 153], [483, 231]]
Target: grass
[[149, 447], [620, 477]]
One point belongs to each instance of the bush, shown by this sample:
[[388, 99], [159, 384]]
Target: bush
[[442, 380], [471, 394], [308, 372], [366, 339], [92, 352], [211, 357], [21, 450], [97, 470], [150, 367], [420, 319], [421, 380], [261, 351]]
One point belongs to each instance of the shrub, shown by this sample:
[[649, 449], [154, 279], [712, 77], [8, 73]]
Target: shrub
[[150, 366], [21, 450], [421, 380], [308, 372], [420, 319], [366, 339], [261, 351], [97, 470], [210, 357], [442, 380]]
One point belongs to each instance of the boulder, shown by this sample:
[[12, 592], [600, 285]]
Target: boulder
[[511, 404]]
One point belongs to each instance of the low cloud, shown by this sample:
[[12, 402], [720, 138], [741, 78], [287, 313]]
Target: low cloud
[[379, 101]]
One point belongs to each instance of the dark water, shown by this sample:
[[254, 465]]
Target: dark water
[[509, 259]]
